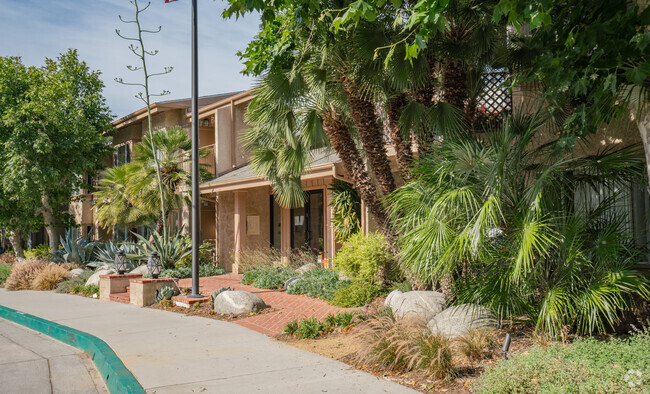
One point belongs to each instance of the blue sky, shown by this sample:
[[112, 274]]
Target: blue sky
[[36, 29]]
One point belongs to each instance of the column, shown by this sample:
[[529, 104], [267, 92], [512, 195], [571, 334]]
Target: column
[[240, 227], [285, 238], [330, 236]]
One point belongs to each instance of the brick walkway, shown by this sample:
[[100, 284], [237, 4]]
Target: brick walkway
[[290, 306]]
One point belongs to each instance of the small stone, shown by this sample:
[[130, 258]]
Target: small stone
[[236, 302]]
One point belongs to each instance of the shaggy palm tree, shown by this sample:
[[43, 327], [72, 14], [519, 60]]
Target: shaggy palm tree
[[129, 195], [508, 211]]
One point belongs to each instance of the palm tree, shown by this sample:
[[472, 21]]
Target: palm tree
[[129, 194], [507, 211]]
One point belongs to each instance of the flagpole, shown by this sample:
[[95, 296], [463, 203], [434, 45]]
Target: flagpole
[[196, 194]]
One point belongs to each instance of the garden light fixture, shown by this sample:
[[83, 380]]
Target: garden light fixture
[[120, 262], [153, 265], [506, 346]]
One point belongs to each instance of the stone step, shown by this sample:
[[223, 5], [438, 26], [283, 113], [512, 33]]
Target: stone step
[[121, 297], [128, 289]]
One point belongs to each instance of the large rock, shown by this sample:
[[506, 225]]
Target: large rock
[[142, 270], [307, 267], [76, 272], [458, 320], [236, 302], [417, 304], [94, 278]]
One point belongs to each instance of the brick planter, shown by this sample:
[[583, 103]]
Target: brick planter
[[113, 284], [143, 291]]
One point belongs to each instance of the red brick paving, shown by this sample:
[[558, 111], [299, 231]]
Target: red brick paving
[[289, 306]]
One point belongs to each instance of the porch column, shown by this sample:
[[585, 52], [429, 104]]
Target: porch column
[[330, 236], [285, 237], [240, 227]]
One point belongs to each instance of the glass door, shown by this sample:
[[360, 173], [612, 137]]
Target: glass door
[[307, 223]]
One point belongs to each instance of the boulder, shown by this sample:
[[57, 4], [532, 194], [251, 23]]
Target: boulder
[[289, 281], [236, 302], [76, 272], [94, 278], [419, 304], [458, 320], [307, 267], [142, 270]]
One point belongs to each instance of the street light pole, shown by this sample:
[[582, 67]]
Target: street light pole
[[196, 194]]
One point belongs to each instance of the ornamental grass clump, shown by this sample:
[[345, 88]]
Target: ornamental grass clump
[[402, 345], [50, 277], [24, 273], [478, 344]]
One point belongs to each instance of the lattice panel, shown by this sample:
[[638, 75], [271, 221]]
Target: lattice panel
[[494, 102]]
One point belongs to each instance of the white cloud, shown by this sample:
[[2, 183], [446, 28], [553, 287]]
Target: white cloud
[[36, 29]]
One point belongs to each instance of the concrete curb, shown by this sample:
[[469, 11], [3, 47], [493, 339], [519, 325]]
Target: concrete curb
[[117, 377]]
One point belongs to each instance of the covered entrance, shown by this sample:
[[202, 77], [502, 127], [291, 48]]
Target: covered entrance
[[307, 223]]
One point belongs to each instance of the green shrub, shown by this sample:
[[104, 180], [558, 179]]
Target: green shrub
[[343, 319], [41, 251], [186, 272], [67, 285], [205, 255], [310, 328], [84, 290], [319, 282], [367, 258], [291, 327], [5, 271], [585, 366], [356, 294], [268, 277]]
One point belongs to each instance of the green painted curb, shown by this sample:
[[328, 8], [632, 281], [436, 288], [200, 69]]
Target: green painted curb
[[118, 379]]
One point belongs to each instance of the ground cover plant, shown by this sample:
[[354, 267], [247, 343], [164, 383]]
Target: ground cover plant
[[67, 286], [584, 366], [269, 277], [186, 272], [40, 251], [313, 327], [319, 282]]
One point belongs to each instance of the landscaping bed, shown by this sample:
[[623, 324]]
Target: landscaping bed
[[205, 310]]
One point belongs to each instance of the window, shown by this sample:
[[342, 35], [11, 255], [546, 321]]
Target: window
[[122, 155]]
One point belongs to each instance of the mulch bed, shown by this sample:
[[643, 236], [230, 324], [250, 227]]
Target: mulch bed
[[205, 310]]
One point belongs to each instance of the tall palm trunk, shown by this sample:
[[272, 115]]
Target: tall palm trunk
[[371, 136], [403, 153], [344, 145], [455, 85]]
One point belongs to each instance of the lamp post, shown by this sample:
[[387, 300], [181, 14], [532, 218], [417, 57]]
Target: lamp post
[[120, 262], [153, 265], [196, 194]]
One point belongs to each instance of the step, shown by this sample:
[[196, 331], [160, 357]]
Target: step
[[185, 301], [120, 297], [128, 289]]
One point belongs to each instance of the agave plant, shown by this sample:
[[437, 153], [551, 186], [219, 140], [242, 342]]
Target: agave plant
[[170, 248], [77, 249], [105, 254]]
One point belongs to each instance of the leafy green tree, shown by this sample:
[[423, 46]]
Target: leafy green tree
[[54, 133]]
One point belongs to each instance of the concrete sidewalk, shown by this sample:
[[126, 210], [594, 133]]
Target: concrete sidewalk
[[31, 362], [174, 353]]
